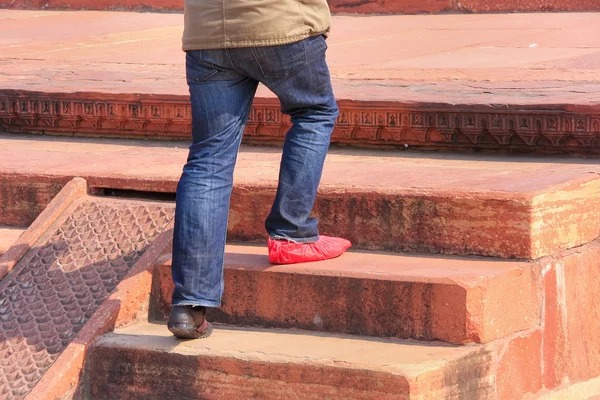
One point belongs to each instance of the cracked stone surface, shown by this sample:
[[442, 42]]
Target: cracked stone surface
[[54, 290]]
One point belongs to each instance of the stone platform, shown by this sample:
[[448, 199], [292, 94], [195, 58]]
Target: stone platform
[[524, 82], [338, 6]]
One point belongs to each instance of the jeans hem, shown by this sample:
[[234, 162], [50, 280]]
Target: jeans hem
[[295, 240], [200, 303]]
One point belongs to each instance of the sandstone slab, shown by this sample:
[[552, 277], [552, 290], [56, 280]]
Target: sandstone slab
[[449, 299], [504, 206], [252, 363], [8, 235]]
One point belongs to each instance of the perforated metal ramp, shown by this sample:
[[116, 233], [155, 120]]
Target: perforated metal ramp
[[54, 289]]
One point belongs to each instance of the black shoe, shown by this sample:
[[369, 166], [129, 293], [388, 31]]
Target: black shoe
[[189, 322]]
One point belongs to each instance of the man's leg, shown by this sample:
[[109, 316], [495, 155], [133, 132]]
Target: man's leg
[[299, 76], [221, 99]]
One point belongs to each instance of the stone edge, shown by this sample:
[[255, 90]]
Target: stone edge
[[479, 293], [537, 128]]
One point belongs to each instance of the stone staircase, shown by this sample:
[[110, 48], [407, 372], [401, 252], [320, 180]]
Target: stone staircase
[[474, 273], [369, 324]]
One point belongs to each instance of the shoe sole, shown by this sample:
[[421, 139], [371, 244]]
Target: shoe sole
[[190, 333]]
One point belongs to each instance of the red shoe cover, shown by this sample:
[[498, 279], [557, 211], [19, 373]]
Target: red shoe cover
[[285, 252]]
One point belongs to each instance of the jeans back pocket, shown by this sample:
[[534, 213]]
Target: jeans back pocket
[[196, 69]]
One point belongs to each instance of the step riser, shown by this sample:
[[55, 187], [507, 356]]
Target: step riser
[[24, 199], [341, 6], [130, 373], [400, 223], [444, 311], [548, 129], [159, 377], [371, 221], [485, 225]]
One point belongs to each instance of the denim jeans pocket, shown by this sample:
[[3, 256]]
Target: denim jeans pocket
[[281, 61], [196, 69], [316, 44]]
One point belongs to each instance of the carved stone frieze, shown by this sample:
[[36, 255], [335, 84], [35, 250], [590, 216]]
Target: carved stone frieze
[[387, 124]]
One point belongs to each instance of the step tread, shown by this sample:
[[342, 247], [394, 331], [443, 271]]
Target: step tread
[[8, 235], [450, 299], [437, 55], [156, 166], [284, 364], [405, 357], [383, 266]]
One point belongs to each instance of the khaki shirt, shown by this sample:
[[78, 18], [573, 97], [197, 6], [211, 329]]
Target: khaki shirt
[[218, 24]]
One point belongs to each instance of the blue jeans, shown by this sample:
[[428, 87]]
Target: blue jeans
[[222, 86]]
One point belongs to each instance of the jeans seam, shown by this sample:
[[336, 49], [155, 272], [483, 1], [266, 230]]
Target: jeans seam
[[233, 67], [253, 52]]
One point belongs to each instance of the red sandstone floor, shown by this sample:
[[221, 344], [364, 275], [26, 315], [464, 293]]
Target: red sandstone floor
[[461, 59]]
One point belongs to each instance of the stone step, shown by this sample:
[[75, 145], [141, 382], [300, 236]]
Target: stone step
[[454, 300], [514, 82], [337, 6], [61, 288], [484, 205], [552, 360], [9, 235], [236, 363], [503, 206]]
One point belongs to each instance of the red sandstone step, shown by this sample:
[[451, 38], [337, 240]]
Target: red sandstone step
[[515, 82], [8, 235], [341, 6], [504, 206], [249, 363], [448, 299]]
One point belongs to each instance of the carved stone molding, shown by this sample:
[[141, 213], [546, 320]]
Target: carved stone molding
[[525, 128]]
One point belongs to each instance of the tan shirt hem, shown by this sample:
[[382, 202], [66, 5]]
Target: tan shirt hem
[[198, 45]]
